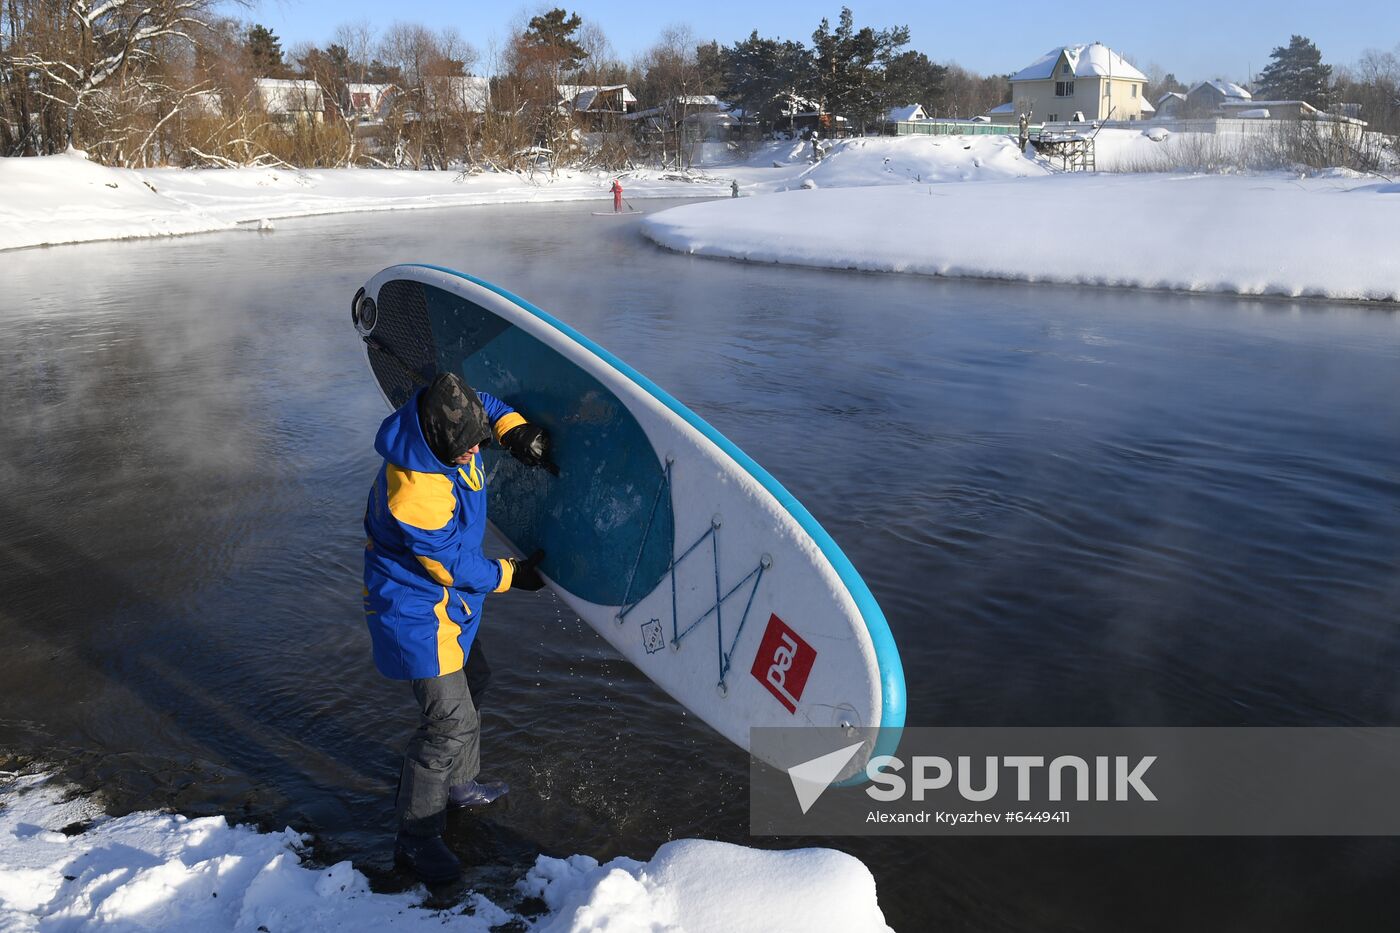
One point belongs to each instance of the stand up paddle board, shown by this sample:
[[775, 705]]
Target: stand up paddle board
[[671, 542], [615, 213]]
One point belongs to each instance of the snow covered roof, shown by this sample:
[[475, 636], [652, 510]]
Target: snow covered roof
[[907, 112], [1256, 113], [373, 90], [1171, 95], [1302, 105], [1147, 106], [280, 95], [1085, 61], [1002, 108], [1228, 90], [583, 95]]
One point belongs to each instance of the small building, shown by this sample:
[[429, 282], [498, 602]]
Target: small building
[[1002, 114], [462, 94], [1273, 110], [203, 104], [593, 104], [1171, 105], [905, 113], [1092, 80], [291, 101], [1208, 98], [369, 103]]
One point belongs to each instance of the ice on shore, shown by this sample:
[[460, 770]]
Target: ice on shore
[[66, 866]]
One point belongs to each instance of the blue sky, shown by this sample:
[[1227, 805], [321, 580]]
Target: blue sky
[[1193, 39]]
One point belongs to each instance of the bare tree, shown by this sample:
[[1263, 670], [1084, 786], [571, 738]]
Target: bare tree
[[72, 67]]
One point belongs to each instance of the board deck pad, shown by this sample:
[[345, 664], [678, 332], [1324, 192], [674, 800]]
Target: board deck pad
[[669, 541]]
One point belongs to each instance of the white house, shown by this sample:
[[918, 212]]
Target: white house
[[1090, 79], [906, 113], [291, 101]]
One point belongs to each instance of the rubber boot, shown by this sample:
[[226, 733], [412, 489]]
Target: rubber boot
[[428, 857], [476, 793]]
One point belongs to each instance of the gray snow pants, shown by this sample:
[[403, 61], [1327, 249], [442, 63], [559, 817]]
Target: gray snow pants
[[446, 748]]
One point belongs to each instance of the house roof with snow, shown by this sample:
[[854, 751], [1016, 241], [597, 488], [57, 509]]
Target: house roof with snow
[[1226, 90], [1002, 108], [584, 96], [1085, 61], [284, 96], [472, 93], [1146, 106], [905, 113], [369, 99], [1171, 95]]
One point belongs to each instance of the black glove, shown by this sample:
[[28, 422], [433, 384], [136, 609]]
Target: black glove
[[525, 576], [529, 444]]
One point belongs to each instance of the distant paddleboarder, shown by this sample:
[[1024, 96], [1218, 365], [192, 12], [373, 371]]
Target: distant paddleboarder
[[617, 196]]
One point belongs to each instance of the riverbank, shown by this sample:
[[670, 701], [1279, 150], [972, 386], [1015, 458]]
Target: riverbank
[[62, 862], [1324, 237], [67, 199]]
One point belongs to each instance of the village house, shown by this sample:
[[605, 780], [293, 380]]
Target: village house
[[1171, 105], [1208, 98], [369, 103], [897, 115], [291, 101], [1075, 82], [592, 105]]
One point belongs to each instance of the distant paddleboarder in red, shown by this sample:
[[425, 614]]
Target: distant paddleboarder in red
[[617, 196]]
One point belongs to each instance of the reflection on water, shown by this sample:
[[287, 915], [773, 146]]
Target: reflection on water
[[1075, 506]]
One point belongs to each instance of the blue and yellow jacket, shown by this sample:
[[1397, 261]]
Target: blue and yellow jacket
[[425, 575]]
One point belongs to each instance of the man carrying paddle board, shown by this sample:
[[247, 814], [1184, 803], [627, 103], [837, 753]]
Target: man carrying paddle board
[[425, 584]]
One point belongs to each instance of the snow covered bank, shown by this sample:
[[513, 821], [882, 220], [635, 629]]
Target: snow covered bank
[[67, 199], [1333, 237], [63, 865], [901, 160]]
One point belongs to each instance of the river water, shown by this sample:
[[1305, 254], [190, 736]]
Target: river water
[[1077, 507]]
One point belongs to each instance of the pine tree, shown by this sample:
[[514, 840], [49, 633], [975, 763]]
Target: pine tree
[[1297, 73], [851, 64], [551, 35], [911, 78], [759, 74], [265, 50]]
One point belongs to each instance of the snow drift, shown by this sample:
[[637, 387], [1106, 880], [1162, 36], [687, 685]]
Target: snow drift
[[66, 866]]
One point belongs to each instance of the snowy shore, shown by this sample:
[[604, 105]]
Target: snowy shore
[[934, 205], [1329, 237], [67, 199], [63, 865]]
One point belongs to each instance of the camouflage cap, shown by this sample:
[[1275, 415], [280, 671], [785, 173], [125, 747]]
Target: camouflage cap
[[452, 417]]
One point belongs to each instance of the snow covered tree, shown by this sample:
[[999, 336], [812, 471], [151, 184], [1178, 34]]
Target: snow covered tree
[[73, 70], [1297, 73]]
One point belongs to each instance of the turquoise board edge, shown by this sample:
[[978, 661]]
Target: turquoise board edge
[[881, 638]]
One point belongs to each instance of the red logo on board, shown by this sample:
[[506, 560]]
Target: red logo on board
[[783, 663]]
